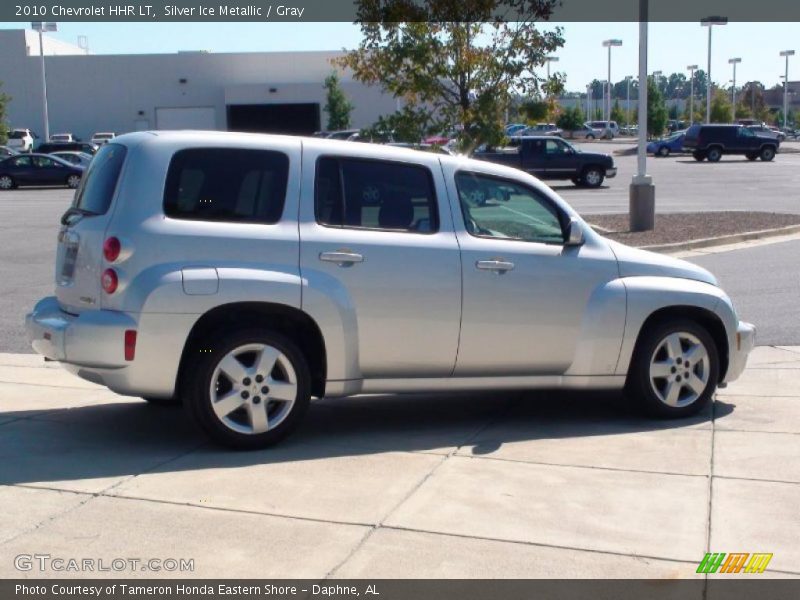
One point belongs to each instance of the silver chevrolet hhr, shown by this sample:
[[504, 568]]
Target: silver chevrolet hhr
[[243, 274]]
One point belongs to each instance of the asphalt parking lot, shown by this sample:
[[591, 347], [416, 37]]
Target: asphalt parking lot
[[491, 486]]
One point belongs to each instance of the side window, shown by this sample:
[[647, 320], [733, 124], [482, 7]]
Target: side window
[[375, 194], [22, 161], [45, 163], [746, 132], [226, 184], [499, 208]]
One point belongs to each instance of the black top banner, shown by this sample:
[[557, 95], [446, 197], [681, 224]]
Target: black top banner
[[395, 10]]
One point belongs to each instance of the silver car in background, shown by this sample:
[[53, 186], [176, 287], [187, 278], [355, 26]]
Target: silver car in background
[[243, 274]]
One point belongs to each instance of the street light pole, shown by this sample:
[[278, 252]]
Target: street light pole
[[642, 193], [628, 103], [692, 69], [710, 22], [734, 62], [41, 27], [588, 101], [787, 54], [610, 44]]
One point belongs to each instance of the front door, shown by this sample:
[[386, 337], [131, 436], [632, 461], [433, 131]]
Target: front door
[[559, 159], [525, 292], [49, 171], [376, 236]]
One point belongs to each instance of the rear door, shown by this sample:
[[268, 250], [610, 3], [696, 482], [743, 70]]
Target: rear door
[[80, 240], [376, 235], [534, 160]]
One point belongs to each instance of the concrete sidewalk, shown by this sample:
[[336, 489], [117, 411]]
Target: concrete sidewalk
[[505, 485]]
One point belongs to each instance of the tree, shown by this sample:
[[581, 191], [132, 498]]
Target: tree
[[460, 60], [4, 100], [617, 114], [721, 108], [571, 119], [337, 106], [534, 111], [656, 109], [751, 101]]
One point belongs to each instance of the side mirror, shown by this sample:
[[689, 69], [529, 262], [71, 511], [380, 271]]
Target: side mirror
[[574, 233]]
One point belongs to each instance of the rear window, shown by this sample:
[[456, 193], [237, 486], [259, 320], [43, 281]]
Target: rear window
[[100, 180], [223, 184], [16, 135]]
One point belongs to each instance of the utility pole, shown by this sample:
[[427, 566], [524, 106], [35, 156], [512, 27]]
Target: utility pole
[[734, 62], [692, 69], [710, 22], [610, 44], [41, 27], [642, 194], [787, 54]]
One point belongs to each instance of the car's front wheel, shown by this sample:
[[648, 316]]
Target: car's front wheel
[[249, 390], [663, 151], [593, 177], [767, 153], [675, 369]]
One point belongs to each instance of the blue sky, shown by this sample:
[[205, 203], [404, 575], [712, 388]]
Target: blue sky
[[673, 46]]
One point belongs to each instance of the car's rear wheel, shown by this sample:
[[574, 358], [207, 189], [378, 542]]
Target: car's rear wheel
[[698, 156], [6, 182], [73, 181], [675, 369], [250, 391], [663, 151], [751, 156], [767, 153], [714, 154], [593, 177], [590, 136]]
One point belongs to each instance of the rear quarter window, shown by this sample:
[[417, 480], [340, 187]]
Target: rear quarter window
[[224, 184], [100, 180]]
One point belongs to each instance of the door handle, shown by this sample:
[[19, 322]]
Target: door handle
[[341, 257], [498, 266]]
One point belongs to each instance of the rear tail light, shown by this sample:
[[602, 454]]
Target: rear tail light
[[109, 281], [111, 249], [130, 344]]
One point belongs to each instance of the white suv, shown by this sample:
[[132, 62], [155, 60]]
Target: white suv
[[103, 137], [244, 274], [21, 140]]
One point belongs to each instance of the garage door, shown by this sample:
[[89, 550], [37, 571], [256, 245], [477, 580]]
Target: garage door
[[198, 117]]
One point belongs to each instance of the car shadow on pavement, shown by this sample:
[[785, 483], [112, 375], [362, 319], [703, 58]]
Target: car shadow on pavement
[[101, 443]]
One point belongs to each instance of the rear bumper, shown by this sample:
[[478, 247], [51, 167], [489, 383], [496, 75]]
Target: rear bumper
[[92, 346], [744, 342], [93, 338]]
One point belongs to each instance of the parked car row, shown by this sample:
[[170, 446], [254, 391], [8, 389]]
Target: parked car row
[[25, 140]]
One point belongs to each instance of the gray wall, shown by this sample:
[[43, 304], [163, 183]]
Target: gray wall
[[106, 92]]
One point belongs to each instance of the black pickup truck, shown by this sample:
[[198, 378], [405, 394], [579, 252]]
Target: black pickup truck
[[553, 158]]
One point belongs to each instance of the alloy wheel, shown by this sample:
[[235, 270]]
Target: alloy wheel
[[679, 369], [73, 181], [253, 388], [593, 177], [6, 183]]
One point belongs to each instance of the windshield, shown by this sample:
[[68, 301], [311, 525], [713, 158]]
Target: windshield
[[100, 181]]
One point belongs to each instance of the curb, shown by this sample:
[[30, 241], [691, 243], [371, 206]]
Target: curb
[[723, 240]]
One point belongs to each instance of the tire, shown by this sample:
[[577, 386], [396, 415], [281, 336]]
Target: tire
[[590, 136], [663, 152], [666, 393], [592, 177], [174, 401], [232, 367], [73, 181], [751, 156], [767, 153], [7, 182], [714, 154], [698, 156]]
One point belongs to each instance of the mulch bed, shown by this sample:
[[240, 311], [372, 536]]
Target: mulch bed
[[684, 227]]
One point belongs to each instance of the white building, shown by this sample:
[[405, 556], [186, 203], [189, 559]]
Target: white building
[[258, 91]]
